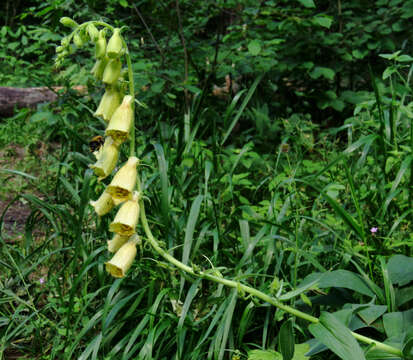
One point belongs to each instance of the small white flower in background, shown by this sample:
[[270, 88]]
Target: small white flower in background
[[42, 280]]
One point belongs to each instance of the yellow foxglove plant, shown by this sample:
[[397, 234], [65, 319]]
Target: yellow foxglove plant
[[127, 217], [104, 204], [124, 181], [121, 121], [107, 157], [116, 242], [123, 259], [109, 103]]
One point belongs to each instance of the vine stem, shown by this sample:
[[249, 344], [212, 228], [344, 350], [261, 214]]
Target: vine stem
[[241, 287]]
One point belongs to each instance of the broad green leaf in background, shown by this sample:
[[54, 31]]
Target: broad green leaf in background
[[254, 47], [264, 355], [307, 3], [337, 337], [400, 268], [286, 340]]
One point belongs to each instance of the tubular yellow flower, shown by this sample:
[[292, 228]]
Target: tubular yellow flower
[[112, 71], [121, 121], [124, 181], [106, 159], [116, 242], [108, 104], [99, 68], [104, 204], [122, 260], [93, 32], [126, 218], [115, 45]]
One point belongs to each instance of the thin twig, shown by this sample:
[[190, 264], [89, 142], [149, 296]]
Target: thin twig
[[181, 35], [150, 33]]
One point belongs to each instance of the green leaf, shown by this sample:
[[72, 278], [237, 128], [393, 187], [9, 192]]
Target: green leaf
[[341, 279], [400, 268], [264, 355], [322, 71], [324, 21], [254, 47], [300, 350], [337, 337], [286, 340], [307, 3]]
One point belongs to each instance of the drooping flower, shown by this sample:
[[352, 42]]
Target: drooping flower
[[112, 71], [115, 45], [126, 218], [104, 204], [99, 68], [116, 242], [100, 46], [108, 104], [124, 181], [121, 121], [107, 157], [122, 260]]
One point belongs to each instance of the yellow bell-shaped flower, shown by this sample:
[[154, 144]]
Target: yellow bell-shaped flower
[[116, 242], [104, 204], [126, 218], [122, 260], [108, 104], [115, 45], [124, 181], [112, 71], [107, 158], [121, 121]]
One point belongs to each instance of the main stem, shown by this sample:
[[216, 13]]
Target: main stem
[[241, 287]]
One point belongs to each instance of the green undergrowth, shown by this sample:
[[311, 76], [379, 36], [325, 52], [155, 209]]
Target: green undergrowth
[[318, 218]]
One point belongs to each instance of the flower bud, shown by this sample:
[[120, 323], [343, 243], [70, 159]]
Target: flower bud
[[108, 104], [99, 68], [100, 48], [107, 158], [121, 121], [116, 242], [59, 49], [126, 218], [104, 204], [77, 39], [66, 21], [93, 32], [112, 71], [124, 181], [115, 45], [122, 260]]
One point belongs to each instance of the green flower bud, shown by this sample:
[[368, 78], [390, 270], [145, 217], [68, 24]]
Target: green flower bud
[[59, 49], [115, 45], [77, 39], [65, 41], [100, 49], [93, 32], [112, 71], [66, 21], [99, 68]]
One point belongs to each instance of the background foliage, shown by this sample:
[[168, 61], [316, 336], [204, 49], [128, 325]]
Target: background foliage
[[276, 181]]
